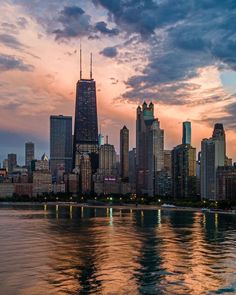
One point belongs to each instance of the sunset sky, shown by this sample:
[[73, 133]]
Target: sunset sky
[[181, 55]]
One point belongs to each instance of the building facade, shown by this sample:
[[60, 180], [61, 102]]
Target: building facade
[[212, 156], [29, 153], [60, 144], [226, 183], [124, 153], [12, 162], [149, 149], [184, 171], [86, 127]]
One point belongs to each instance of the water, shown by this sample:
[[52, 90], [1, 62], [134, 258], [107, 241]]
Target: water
[[65, 250]]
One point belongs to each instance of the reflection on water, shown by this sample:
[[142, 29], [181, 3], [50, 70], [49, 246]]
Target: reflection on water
[[69, 250]]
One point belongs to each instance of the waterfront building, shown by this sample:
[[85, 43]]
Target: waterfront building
[[124, 153], [213, 155], [29, 153], [86, 126], [12, 162], [42, 183], [60, 144], [149, 149], [184, 167], [226, 183]]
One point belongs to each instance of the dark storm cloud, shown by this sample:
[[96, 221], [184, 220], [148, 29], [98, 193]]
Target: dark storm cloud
[[109, 52], [10, 41], [74, 21], [183, 35], [9, 62], [102, 28]]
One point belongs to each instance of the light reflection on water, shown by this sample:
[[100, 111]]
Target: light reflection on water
[[68, 250]]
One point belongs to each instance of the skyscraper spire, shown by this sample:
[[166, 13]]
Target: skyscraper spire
[[91, 66], [80, 63]]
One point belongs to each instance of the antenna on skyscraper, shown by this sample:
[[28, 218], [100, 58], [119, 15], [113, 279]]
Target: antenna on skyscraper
[[91, 66], [80, 60]]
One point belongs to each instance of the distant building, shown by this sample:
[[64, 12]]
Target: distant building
[[226, 183], [184, 167], [60, 144], [213, 155], [132, 166], [167, 161], [124, 153], [40, 165], [186, 133], [5, 164], [107, 160], [12, 162], [86, 125], [149, 149], [42, 183], [29, 153]]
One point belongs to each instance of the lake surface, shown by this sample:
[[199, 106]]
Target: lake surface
[[67, 250]]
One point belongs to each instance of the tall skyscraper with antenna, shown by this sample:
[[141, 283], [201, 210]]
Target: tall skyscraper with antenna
[[86, 123]]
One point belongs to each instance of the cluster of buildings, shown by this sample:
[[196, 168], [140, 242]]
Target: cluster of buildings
[[82, 164]]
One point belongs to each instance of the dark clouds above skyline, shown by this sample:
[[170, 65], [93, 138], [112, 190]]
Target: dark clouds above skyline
[[165, 45]]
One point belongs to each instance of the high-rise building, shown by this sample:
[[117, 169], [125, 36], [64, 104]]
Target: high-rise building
[[149, 149], [184, 171], [186, 133], [29, 153], [86, 126], [167, 161], [184, 166], [212, 156], [124, 153], [107, 160], [226, 183], [12, 162], [60, 143], [132, 166]]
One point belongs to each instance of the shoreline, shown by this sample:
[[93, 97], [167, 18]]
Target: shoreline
[[120, 207]]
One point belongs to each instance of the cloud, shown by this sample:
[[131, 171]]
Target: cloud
[[9, 62], [102, 28], [109, 52], [10, 41], [74, 21]]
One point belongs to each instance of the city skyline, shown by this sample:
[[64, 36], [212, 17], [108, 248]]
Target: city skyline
[[32, 88]]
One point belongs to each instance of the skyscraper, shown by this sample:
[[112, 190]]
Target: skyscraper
[[107, 159], [149, 149], [184, 166], [186, 133], [213, 155], [60, 143], [124, 153], [86, 125], [29, 153], [12, 162]]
